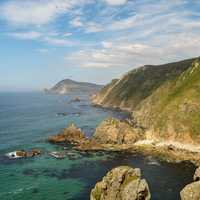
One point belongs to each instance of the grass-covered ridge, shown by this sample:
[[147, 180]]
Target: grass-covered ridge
[[165, 99], [138, 84], [173, 110]]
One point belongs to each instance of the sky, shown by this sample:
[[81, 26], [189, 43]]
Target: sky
[[45, 41]]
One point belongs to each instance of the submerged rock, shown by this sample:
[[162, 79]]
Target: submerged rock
[[114, 131], [23, 153], [121, 183]]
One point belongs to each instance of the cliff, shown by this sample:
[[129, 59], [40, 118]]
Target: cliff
[[164, 99]]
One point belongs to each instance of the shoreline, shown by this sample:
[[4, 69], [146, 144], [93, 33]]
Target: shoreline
[[173, 151]]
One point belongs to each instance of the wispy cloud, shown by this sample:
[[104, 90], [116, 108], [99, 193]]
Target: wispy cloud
[[30, 35], [109, 33], [31, 12], [43, 51], [116, 2], [58, 41]]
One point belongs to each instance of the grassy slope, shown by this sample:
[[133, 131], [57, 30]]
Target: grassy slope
[[164, 99], [174, 108], [138, 84]]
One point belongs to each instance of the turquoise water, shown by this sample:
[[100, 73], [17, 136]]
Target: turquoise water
[[27, 119]]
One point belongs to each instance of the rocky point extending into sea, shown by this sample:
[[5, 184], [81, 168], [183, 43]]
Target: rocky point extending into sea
[[117, 135]]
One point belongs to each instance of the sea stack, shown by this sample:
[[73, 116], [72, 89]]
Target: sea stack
[[121, 183]]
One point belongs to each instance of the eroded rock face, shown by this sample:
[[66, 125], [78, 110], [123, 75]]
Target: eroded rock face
[[191, 191], [121, 183], [71, 134], [197, 175], [114, 131]]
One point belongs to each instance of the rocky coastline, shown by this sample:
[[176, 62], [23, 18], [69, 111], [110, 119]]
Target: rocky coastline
[[117, 135], [120, 135]]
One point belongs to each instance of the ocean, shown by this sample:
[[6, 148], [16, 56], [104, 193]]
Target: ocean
[[26, 121]]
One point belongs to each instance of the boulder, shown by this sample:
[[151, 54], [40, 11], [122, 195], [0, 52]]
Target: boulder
[[114, 131], [71, 134], [121, 183], [191, 191], [197, 175]]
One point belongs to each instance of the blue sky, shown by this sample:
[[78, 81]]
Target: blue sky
[[44, 41]]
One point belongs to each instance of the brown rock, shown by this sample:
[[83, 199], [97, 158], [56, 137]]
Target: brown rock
[[21, 153], [114, 131], [121, 183], [191, 191], [71, 134]]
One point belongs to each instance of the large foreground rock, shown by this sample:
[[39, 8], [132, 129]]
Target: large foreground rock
[[121, 183], [114, 131], [191, 191]]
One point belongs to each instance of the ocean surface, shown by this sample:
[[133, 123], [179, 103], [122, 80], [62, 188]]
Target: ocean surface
[[26, 121]]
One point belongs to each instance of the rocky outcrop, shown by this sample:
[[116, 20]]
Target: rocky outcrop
[[192, 190], [197, 175], [111, 134], [23, 154], [71, 134], [121, 183], [114, 131]]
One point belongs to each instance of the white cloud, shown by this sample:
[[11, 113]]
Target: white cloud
[[111, 55], [67, 34], [43, 51], [124, 54], [116, 2], [76, 22], [58, 41], [36, 12], [92, 27], [31, 35], [51, 38]]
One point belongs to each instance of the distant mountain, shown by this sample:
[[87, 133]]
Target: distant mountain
[[69, 86], [164, 99]]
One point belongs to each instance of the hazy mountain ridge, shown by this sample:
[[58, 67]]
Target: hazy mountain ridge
[[164, 99], [68, 86]]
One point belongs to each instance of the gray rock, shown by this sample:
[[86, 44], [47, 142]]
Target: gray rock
[[191, 191], [121, 183]]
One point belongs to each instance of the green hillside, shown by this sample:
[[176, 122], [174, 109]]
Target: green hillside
[[165, 99], [173, 110], [138, 84]]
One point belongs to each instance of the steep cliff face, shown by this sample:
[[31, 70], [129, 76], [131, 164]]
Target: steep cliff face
[[173, 110], [164, 100], [138, 84]]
